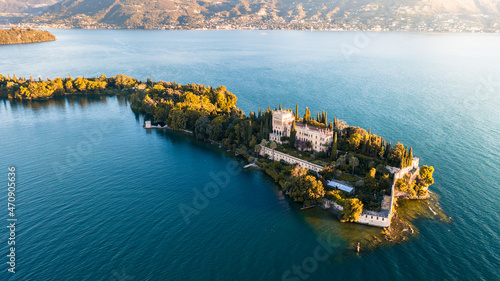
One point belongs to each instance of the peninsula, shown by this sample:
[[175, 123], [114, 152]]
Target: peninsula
[[21, 36], [316, 161]]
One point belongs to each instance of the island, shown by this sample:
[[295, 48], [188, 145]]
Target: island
[[22, 36], [318, 162]]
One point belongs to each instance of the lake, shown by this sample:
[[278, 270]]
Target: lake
[[98, 196]]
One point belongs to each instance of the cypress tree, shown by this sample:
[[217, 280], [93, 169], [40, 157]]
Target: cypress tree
[[297, 112], [293, 134], [260, 114], [364, 145], [266, 129], [270, 122], [333, 154], [280, 106], [249, 131], [382, 151], [369, 145], [388, 149]]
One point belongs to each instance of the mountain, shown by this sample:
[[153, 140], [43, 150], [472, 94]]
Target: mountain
[[429, 15], [16, 9]]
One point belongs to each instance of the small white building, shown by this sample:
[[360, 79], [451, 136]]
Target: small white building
[[147, 124], [340, 186]]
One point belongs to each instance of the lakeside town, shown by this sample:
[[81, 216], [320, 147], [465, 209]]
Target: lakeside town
[[441, 23], [263, 15]]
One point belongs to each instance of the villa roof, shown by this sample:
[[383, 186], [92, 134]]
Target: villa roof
[[313, 128]]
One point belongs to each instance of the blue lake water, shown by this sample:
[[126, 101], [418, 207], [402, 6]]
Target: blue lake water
[[113, 212]]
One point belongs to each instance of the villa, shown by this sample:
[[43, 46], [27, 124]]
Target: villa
[[319, 138]]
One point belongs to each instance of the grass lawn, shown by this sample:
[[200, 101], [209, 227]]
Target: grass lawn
[[349, 178]]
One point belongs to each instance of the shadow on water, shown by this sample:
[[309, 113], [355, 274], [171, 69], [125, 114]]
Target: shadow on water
[[402, 230], [411, 210], [63, 101]]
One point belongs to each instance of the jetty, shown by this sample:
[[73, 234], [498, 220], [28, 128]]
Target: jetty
[[251, 165], [148, 125]]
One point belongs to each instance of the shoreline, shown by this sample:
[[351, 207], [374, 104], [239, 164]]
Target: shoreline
[[399, 231], [234, 131], [241, 28]]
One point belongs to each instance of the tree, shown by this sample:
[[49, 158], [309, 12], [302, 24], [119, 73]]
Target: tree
[[352, 210], [303, 187], [381, 152], [297, 116], [396, 155], [354, 162], [273, 145], [354, 141], [257, 149], [80, 84], [252, 142], [293, 135], [307, 115], [402, 186], [426, 175], [308, 144], [124, 81], [200, 128], [160, 114], [69, 86], [371, 173], [333, 154], [263, 142]]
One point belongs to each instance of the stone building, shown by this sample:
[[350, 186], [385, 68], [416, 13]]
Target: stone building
[[278, 156], [320, 138]]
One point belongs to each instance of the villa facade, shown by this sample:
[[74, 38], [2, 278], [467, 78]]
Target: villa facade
[[319, 138]]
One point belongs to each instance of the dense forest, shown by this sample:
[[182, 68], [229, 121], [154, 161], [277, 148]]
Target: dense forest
[[355, 156], [20, 36], [31, 89]]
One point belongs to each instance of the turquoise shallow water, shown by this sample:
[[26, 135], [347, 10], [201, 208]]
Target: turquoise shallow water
[[113, 214]]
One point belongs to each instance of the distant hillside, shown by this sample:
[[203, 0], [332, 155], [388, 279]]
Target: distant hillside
[[12, 10], [431, 15], [20, 36]]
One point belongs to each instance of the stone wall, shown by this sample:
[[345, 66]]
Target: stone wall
[[374, 220], [378, 219], [278, 156]]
